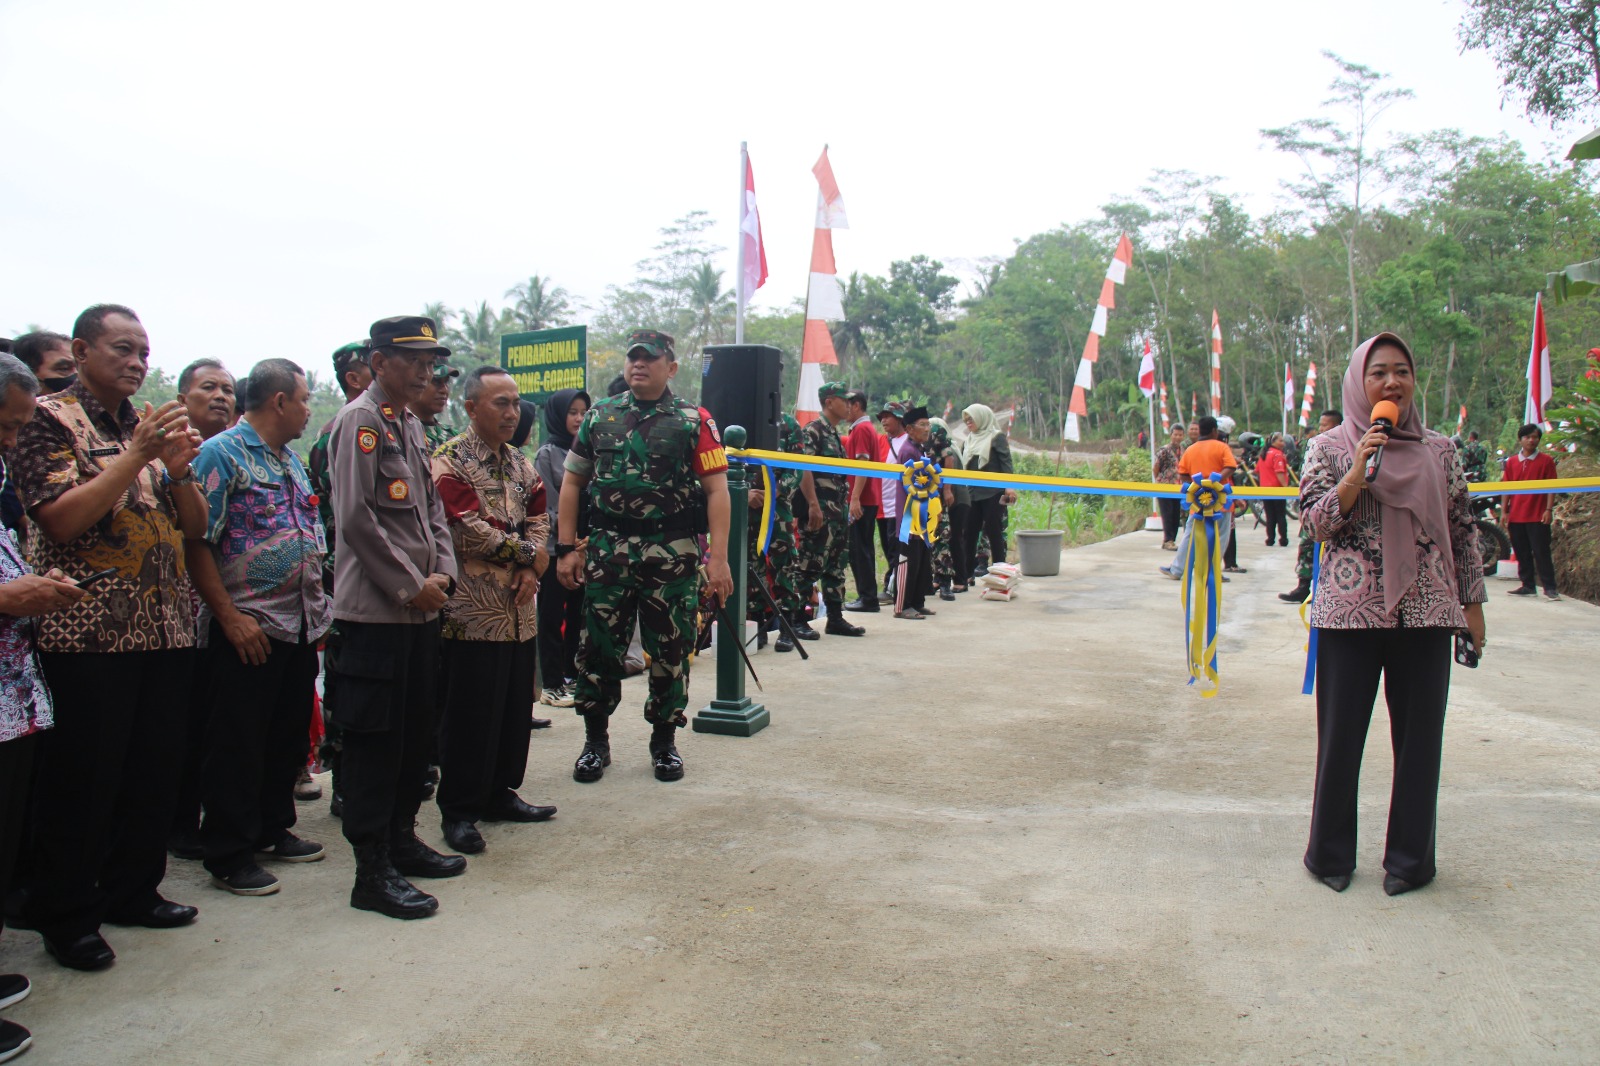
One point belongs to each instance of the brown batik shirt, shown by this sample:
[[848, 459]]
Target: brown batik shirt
[[146, 604], [494, 503]]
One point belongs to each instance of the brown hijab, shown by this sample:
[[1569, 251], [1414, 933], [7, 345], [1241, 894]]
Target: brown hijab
[[1410, 488]]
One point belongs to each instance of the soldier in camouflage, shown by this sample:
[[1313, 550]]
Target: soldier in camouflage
[[824, 547], [655, 473], [435, 398], [943, 559], [779, 569]]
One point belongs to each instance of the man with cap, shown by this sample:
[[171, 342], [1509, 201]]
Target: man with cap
[[656, 474], [350, 369], [864, 442], [824, 535], [395, 569], [435, 398]]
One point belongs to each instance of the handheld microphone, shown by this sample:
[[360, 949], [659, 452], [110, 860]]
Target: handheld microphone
[[1384, 415]]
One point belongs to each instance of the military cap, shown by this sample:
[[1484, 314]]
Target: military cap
[[655, 342], [413, 332], [893, 407], [444, 372], [354, 352], [832, 388]]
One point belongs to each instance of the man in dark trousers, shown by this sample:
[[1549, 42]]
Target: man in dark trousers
[[863, 441], [1529, 515], [395, 570]]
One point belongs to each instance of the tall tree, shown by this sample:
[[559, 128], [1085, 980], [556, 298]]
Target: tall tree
[[1548, 51], [537, 304]]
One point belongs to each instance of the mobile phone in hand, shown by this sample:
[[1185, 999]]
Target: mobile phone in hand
[[1466, 654], [97, 577]]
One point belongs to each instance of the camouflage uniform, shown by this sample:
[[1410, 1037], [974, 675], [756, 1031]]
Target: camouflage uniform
[[646, 505], [941, 451], [1474, 460], [823, 551], [779, 569], [437, 434]]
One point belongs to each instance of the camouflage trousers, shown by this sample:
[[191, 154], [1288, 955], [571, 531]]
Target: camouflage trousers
[[942, 559], [825, 551], [777, 569], [657, 582], [1302, 560]]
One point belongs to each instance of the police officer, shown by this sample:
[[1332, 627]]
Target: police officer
[[656, 474], [824, 547], [395, 569]]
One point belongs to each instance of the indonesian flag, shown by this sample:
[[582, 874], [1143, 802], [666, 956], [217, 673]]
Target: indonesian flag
[[1288, 388], [755, 249], [1147, 371], [1461, 422], [1116, 274], [1538, 367], [824, 295]]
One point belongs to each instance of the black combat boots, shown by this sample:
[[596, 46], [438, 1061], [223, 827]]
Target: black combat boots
[[802, 628], [1301, 591], [837, 626], [412, 858], [591, 765], [379, 887], [664, 752]]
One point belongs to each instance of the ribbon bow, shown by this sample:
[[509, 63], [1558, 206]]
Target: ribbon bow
[[921, 479], [1209, 498], [768, 516]]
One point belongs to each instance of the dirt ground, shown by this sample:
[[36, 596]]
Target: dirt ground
[[1008, 834]]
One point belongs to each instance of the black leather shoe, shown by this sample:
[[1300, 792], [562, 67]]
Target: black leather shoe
[[803, 630], [838, 627], [1395, 886], [865, 606], [1297, 596], [413, 858], [163, 915], [88, 952], [1337, 882], [463, 837], [783, 643], [668, 764], [185, 846], [516, 809], [336, 805], [947, 595], [539, 723], [591, 765], [380, 887]]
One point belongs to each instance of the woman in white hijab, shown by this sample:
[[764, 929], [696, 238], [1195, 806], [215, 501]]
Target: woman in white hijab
[[985, 449]]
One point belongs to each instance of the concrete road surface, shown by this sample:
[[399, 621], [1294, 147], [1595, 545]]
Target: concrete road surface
[[1008, 834]]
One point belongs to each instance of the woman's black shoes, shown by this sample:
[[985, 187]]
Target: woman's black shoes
[[1394, 886], [1337, 882]]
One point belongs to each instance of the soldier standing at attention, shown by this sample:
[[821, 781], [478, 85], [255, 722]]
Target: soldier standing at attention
[[778, 570], [824, 542], [395, 570], [431, 404], [655, 471]]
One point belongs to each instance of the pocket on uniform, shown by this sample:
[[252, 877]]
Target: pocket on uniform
[[396, 483], [364, 690]]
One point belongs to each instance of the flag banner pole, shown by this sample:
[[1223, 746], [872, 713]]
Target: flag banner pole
[[738, 287]]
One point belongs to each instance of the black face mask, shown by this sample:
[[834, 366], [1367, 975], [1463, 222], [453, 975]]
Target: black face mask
[[49, 385]]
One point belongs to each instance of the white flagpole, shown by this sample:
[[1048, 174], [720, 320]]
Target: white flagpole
[[738, 278], [1150, 405], [1286, 401]]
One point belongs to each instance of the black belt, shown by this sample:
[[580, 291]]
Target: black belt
[[621, 525]]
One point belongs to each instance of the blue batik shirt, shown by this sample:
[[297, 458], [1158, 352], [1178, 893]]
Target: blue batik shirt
[[265, 533]]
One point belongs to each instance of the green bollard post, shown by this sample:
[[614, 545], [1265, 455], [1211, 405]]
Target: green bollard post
[[733, 713]]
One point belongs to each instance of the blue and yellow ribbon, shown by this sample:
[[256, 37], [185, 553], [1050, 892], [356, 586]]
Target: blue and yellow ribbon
[[1209, 498], [921, 478], [768, 516], [1310, 683]]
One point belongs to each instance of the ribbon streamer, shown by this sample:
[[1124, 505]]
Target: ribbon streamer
[[921, 479], [768, 516], [1209, 499], [1305, 616]]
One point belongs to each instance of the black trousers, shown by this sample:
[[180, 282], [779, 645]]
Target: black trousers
[[987, 519], [255, 747], [1415, 667], [916, 576], [387, 708], [16, 774], [101, 805], [483, 740], [1171, 517], [863, 553], [1277, 512], [1531, 542], [197, 715], [960, 546], [560, 613], [1230, 551]]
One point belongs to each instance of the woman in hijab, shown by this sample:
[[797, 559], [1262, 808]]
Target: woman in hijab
[[956, 503], [985, 449], [560, 608], [1399, 578]]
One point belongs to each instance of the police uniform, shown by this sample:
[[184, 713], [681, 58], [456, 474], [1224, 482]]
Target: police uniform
[[390, 536], [643, 463], [824, 551]]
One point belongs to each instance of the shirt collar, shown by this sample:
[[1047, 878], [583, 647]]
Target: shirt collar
[[125, 417]]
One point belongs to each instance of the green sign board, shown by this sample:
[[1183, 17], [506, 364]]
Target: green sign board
[[547, 360]]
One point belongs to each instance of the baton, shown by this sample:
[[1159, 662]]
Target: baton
[[794, 638], [739, 640]]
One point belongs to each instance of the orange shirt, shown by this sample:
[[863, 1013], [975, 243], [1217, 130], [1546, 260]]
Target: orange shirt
[[1206, 457]]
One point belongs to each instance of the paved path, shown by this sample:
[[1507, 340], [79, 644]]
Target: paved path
[[1009, 834]]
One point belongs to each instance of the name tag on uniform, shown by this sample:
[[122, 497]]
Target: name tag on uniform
[[322, 539], [98, 453]]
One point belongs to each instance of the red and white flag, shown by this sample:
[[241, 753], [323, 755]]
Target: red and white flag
[[1311, 391], [1538, 368], [1216, 365], [1147, 371], [1461, 422], [1288, 388], [752, 250], [824, 297], [1116, 273]]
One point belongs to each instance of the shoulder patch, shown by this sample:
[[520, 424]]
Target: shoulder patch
[[398, 489], [388, 410], [366, 439], [711, 424]]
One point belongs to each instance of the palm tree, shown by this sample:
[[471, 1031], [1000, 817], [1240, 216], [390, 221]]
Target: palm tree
[[440, 314], [711, 308], [539, 305]]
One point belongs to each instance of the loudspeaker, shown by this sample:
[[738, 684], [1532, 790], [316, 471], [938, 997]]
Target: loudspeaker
[[742, 386]]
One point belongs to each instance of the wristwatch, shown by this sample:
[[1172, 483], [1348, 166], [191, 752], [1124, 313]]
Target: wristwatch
[[562, 549], [187, 479]]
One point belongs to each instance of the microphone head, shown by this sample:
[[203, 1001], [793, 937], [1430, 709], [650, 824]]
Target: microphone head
[[1387, 411]]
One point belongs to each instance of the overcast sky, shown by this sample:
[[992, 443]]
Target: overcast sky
[[261, 179]]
